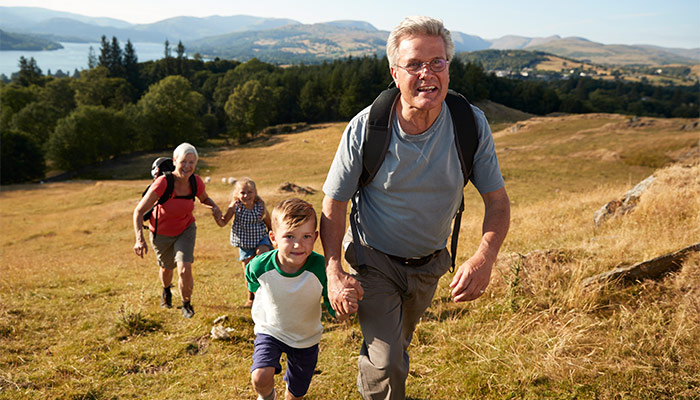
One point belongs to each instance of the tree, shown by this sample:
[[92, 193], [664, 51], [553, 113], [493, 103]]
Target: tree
[[89, 134], [169, 114], [181, 59], [92, 59], [312, 101], [37, 120], [14, 98], [21, 159], [116, 67], [105, 50], [249, 109], [29, 72], [166, 59], [131, 65], [95, 87]]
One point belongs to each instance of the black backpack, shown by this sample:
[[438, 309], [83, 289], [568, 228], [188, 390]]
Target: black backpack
[[165, 166], [378, 137]]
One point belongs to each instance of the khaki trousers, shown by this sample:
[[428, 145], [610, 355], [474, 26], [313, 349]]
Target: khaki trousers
[[396, 296]]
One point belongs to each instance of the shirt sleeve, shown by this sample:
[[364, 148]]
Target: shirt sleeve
[[200, 185], [486, 174], [252, 272], [159, 185], [344, 174]]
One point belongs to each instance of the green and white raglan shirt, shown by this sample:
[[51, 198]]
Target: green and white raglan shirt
[[288, 306]]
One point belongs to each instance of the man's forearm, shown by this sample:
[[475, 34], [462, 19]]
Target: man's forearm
[[496, 223], [332, 230]]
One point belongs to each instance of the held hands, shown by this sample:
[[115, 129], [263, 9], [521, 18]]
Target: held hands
[[344, 293], [471, 279], [216, 213]]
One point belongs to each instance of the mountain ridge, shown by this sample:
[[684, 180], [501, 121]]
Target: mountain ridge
[[284, 40]]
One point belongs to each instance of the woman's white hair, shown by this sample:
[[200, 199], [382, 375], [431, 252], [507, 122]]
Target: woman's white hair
[[184, 149], [418, 25]]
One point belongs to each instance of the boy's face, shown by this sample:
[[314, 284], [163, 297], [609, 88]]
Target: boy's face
[[294, 245]]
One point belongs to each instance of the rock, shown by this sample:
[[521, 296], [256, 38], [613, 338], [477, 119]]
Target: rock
[[218, 332], [624, 205], [650, 269], [207, 179], [231, 180], [294, 188]]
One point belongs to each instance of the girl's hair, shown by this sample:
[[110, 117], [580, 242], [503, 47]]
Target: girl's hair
[[184, 149], [419, 25], [245, 182], [293, 213]]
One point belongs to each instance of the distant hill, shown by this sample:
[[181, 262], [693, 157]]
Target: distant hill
[[513, 42], [295, 43], [283, 40], [615, 54], [17, 41], [192, 28]]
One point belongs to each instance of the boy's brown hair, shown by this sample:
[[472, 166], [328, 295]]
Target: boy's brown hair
[[293, 213]]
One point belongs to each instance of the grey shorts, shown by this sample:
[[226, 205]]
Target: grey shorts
[[171, 250]]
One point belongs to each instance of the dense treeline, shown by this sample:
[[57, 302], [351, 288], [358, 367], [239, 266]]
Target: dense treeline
[[119, 105]]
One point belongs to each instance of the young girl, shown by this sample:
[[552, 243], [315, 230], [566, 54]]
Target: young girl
[[251, 223]]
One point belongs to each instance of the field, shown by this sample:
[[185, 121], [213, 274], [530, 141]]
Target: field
[[80, 315]]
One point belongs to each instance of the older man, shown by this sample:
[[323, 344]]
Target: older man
[[404, 214]]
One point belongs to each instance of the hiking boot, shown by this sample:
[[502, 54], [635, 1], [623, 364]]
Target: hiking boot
[[187, 310], [166, 298]]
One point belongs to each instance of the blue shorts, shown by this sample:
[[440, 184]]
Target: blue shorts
[[245, 253], [301, 363]]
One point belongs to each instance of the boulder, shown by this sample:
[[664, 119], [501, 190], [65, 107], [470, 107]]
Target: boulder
[[625, 204]]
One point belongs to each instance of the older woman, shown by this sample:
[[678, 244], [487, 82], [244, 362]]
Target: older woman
[[175, 238]]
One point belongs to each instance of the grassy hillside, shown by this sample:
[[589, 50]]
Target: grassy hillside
[[526, 63], [80, 315], [582, 49]]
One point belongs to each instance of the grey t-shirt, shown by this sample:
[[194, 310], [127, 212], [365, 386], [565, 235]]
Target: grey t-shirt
[[408, 207]]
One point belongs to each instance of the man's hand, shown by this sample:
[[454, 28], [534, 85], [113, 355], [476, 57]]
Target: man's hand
[[344, 292], [474, 275], [471, 279]]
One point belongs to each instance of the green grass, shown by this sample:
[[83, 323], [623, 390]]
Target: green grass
[[80, 315]]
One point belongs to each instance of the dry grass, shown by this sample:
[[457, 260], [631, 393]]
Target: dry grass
[[79, 314]]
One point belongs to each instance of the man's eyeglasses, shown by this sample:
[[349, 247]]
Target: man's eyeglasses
[[435, 65]]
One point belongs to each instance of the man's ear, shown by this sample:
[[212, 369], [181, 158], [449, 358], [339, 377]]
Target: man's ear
[[394, 72]]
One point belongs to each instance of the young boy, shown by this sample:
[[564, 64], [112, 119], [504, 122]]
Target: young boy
[[289, 283]]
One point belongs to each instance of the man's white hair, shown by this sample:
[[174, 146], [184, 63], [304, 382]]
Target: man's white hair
[[418, 25]]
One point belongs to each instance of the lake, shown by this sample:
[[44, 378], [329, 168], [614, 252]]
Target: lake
[[72, 56]]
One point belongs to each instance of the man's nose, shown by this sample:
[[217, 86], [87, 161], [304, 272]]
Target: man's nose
[[424, 70]]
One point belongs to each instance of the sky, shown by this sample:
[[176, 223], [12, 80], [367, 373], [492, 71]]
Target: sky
[[667, 23]]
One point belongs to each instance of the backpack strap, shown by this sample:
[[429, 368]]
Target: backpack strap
[[466, 136], [193, 188], [169, 187], [378, 134], [466, 140]]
